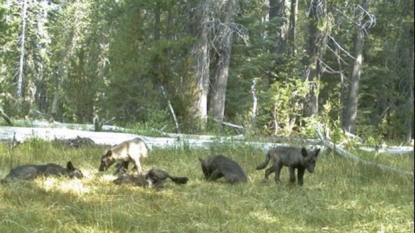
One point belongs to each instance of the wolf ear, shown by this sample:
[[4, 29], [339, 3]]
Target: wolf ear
[[204, 163], [108, 153], [70, 166], [304, 152], [317, 151]]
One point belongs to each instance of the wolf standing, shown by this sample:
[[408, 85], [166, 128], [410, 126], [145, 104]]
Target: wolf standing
[[291, 157], [133, 151], [220, 166]]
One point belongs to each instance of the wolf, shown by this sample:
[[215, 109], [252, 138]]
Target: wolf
[[219, 166], [291, 157], [130, 151], [153, 178], [28, 172]]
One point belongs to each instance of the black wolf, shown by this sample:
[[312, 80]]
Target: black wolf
[[219, 166], [291, 157], [133, 151], [28, 172], [153, 178]]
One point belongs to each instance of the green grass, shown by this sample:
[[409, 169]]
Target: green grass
[[340, 196]]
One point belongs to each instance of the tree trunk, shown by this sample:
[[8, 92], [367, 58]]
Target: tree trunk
[[410, 128], [408, 60], [315, 45], [56, 94], [277, 9], [224, 35], [254, 104], [217, 103], [353, 97], [291, 27], [202, 56], [19, 91], [279, 32]]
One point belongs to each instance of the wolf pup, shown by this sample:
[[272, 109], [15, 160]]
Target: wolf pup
[[131, 151], [153, 178], [293, 158], [28, 172], [219, 166]]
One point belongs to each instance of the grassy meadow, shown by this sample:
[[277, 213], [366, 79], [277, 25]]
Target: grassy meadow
[[340, 196]]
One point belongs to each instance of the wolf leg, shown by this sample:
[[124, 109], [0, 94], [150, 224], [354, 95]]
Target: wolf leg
[[292, 174], [269, 171], [277, 166], [216, 174], [122, 167], [300, 174], [137, 167]]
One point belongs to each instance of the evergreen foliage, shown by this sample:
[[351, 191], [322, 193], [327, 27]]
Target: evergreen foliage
[[112, 59]]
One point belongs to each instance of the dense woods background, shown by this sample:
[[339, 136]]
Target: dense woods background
[[273, 67]]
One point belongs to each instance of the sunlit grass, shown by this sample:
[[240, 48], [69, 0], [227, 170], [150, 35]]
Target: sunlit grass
[[341, 196]]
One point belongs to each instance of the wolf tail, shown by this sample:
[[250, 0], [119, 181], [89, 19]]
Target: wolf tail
[[265, 163], [179, 180]]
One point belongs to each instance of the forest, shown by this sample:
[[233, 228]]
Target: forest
[[263, 68]]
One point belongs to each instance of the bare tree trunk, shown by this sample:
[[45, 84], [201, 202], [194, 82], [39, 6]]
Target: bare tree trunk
[[202, 56], [353, 97], [254, 104], [291, 27], [342, 83], [202, 79], [409, 65], [22, 52], [277, 9], [217, 104], [352, 100], [410, 128], [315, 45], [224, 35], [56, 95], [176, 123], [279, 32]]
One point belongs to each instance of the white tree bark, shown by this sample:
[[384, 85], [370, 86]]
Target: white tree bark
[[176, 123], [22, 52], [202, 56], [51, 131], [254, 104], [351, 156]]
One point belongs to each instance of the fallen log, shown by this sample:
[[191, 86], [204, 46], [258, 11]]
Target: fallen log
[[353, 157]]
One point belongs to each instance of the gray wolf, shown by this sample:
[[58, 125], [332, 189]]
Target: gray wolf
[[29, 171], [219, 166], [153, 178], [130, 151], [291, 157]]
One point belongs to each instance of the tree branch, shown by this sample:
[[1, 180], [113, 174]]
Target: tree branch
[[351, 156]]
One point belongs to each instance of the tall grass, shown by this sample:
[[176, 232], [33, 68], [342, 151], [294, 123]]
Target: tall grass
[[341, 196]]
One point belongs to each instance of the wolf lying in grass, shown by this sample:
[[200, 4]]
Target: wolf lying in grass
[[131, 151], [220, 166], [291, 157], [153, 178], [28, 172]]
